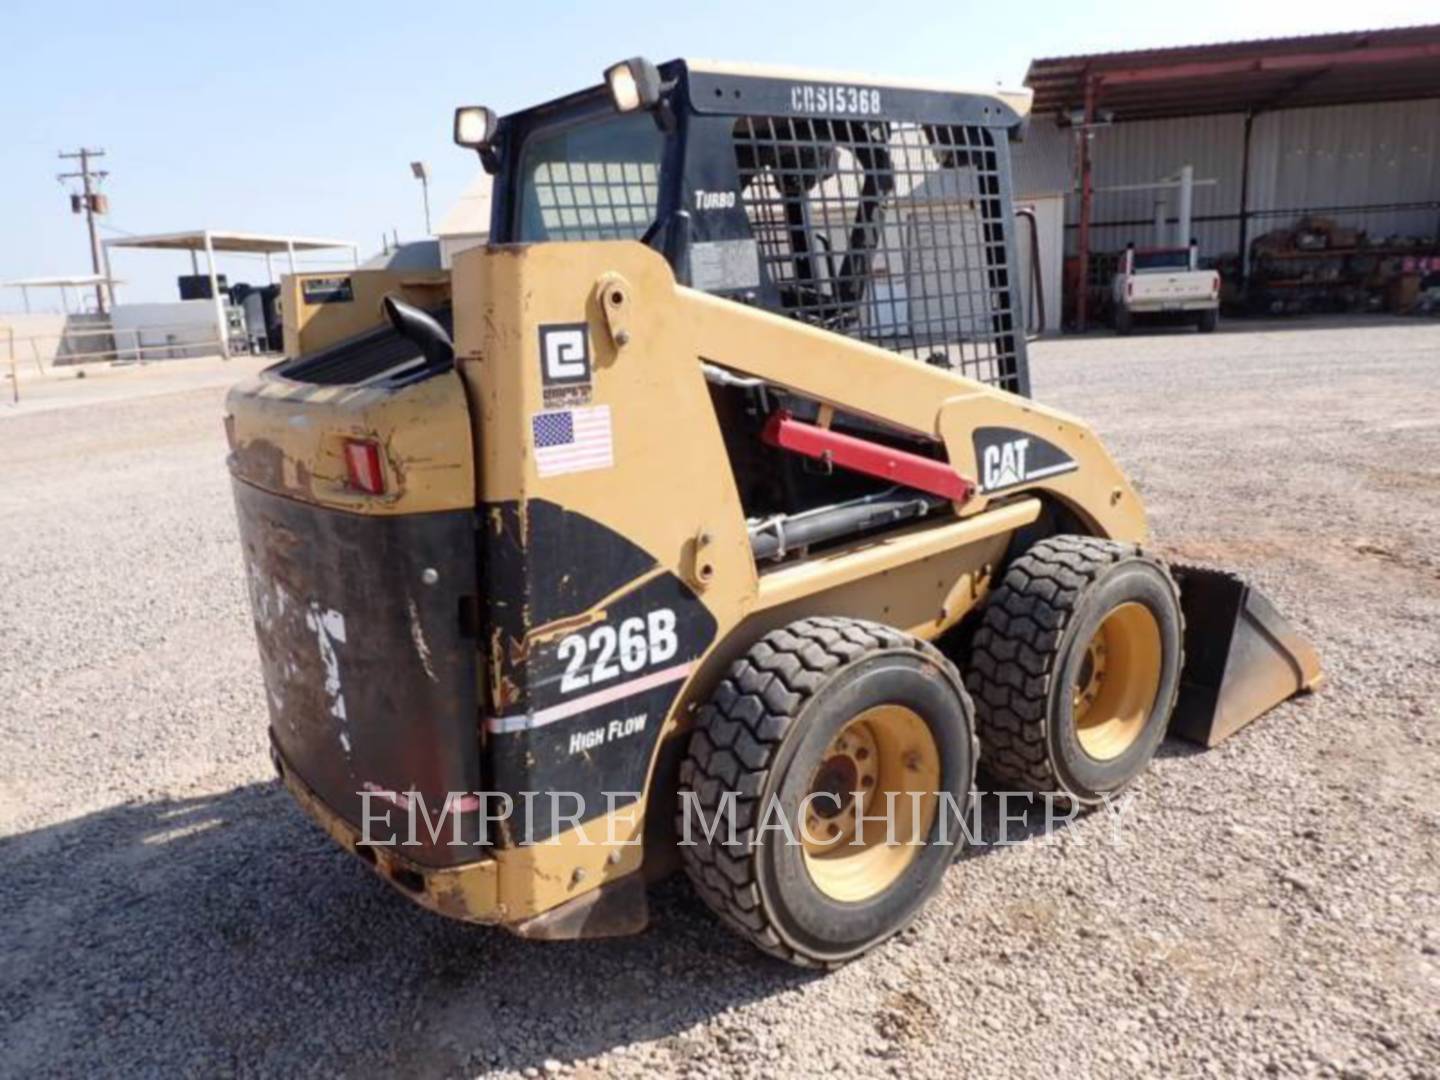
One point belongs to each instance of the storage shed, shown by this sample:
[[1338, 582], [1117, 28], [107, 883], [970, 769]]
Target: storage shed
[[1316, 166]]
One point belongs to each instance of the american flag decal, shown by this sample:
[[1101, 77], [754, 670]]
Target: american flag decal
[[572, 440]]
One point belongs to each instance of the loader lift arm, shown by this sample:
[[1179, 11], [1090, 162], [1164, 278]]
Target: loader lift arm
[[931, 402]]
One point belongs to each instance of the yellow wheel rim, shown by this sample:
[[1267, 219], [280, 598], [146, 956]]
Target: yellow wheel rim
[[883, 764], [1117, 682]]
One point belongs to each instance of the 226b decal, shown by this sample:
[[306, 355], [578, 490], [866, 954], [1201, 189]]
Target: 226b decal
[[583, 711], [601, 653]]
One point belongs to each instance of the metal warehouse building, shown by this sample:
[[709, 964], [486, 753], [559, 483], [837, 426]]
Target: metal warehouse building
[[1315, 161]]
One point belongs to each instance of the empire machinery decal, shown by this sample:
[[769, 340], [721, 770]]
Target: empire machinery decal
[[565, 363]]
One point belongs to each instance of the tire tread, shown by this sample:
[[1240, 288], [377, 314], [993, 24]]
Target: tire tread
[[749, 714], [1014, 651]]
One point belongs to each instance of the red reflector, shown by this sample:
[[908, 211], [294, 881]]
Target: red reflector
[[362, 462]]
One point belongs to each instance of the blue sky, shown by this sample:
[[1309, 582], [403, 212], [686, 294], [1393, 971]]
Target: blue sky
[[265, 116]]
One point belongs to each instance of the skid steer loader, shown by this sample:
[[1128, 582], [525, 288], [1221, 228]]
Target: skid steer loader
[[714, 489]]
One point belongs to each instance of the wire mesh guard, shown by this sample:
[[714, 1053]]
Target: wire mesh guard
[[893, 233]]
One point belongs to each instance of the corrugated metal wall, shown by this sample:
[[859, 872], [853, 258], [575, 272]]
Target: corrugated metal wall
[[1154, 149], [1346, 155], [1301, 158]]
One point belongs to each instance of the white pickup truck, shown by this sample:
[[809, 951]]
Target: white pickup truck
[[1165, 282]]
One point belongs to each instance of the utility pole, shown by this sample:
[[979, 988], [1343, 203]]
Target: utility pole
[[91, 202], [1087, 196]]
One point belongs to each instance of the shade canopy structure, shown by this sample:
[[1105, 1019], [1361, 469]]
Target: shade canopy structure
[[1398, 64], [212, 241], [75, 281], [215, 240]]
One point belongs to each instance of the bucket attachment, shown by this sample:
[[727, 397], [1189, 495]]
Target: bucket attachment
[[1242, 657]]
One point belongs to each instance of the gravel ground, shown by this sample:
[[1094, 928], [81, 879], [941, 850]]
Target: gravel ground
[[1271, 906]]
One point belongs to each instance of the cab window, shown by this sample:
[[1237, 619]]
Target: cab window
[[597, 180]]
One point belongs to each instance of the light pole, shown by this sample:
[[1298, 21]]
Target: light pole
[[418, 168]]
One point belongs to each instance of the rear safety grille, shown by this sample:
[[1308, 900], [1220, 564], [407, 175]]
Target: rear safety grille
[[893, 233]]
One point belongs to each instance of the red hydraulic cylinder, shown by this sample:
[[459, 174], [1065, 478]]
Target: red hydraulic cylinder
[[863, 456]]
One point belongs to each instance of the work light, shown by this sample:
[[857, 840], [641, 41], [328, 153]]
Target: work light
[[474, 126], [634, 84]]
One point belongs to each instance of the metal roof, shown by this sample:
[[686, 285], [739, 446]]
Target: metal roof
[[195, 240], [1244, 76], [411, 256], [470, 216]]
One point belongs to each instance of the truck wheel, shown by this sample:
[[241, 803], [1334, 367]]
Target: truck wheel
[[1122, 321], [818, 726], [1207, 321], [1075, 667]]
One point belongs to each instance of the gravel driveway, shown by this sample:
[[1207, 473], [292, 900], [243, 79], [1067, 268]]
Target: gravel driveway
[[1271, 906]]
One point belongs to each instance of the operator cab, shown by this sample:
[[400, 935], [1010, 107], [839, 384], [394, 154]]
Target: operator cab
[[882, 212]]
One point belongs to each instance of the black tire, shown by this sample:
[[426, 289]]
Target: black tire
[[1207, 321], [1033, 640], [1123, 321], [763, 733]]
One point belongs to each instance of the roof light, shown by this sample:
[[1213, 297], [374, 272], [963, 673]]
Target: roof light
[[362, 463], [474, 126], [634, 84]]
